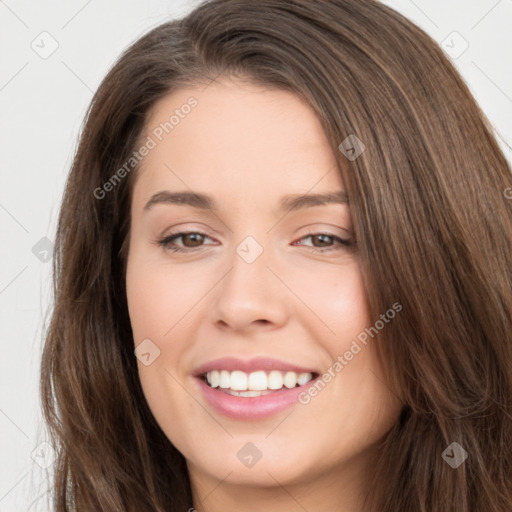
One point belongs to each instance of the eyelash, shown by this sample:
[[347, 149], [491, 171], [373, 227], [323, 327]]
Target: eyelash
[[165, 242]]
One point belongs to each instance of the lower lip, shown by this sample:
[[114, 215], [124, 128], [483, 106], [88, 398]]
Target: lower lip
[[251, 408]]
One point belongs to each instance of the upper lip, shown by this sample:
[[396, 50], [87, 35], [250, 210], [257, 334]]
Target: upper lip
[[251, 365]]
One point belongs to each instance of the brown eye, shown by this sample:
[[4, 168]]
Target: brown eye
[[191, 240], [194, 238], [323, 239], [327, 242]]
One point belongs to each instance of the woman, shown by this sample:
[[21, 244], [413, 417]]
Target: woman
[[282, 274]]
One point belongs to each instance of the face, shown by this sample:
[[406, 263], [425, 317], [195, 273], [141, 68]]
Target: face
[[255, 289]]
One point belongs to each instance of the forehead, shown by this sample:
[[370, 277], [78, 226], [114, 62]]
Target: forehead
[[235, 140]]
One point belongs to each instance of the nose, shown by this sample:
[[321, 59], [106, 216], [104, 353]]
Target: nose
[[250, 296]]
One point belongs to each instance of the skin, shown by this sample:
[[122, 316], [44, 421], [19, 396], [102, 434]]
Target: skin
[[247, 146]]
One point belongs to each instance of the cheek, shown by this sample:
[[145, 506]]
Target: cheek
[[161, 300], [159, 296], [335, 297], [355, 398], [346, 305]]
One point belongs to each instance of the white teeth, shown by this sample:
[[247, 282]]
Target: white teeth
[[290, 379], [250, 394], [238, 381], [214, 378], [303, 378], [224, 379], [255, 383], [275, 380]]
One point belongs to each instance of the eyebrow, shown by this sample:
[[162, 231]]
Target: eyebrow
[[288, 203]]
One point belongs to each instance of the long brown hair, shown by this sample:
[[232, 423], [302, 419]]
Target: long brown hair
[[433, 229]]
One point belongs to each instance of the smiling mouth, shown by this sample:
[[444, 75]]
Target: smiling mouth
[[257, 383]]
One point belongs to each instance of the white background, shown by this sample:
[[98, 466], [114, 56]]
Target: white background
[[42, 104]]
